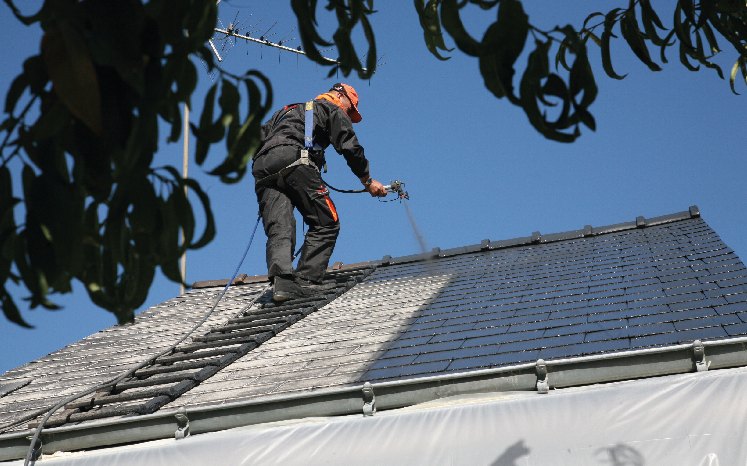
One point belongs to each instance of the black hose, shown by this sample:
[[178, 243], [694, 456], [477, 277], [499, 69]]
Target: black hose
[[345, 191]]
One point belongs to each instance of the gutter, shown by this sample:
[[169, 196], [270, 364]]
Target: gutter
[[366, 399]]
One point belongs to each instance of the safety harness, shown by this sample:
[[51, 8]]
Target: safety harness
[[308, 146]]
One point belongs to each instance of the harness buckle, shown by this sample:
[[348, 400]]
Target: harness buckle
[[304, 157]]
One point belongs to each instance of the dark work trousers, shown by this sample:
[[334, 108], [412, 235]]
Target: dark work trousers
[[302, 189]]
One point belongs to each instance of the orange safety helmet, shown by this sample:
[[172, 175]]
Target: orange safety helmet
[[350, 93]]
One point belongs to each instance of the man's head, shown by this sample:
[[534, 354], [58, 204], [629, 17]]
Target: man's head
[[349, 99]]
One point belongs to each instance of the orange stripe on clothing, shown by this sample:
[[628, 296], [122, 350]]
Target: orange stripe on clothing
[[331, 207]]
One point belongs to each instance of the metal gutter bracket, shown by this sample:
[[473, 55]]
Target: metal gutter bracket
[[701, 365], [182, 430], [542, 384], [369, 400]]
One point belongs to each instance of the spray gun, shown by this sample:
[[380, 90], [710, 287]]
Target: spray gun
[[396, 187]]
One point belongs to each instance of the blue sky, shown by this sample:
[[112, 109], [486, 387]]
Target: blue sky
[[473, 165]]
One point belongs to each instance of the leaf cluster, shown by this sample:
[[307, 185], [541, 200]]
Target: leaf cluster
[[539, 88], [349, 13], [96, 209], [695, 28]]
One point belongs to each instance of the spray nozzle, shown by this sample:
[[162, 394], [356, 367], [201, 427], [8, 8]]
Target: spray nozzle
[[396, 187]]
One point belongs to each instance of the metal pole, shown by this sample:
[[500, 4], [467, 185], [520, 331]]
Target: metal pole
[[185, 170]]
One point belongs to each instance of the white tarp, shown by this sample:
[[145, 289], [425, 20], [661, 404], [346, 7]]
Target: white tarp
[[696, 419]]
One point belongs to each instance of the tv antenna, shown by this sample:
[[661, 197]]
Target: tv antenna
[[221, 42]]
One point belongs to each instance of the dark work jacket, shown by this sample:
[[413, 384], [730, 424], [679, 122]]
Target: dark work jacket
[[331, 126]]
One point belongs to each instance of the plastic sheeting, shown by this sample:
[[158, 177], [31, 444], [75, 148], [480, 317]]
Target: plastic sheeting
[[696, 419]]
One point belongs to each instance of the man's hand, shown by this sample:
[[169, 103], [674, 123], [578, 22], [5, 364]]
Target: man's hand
[[375, 189]]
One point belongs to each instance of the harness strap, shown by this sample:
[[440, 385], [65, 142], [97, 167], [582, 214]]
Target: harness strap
[[309, 125], [304, 160]]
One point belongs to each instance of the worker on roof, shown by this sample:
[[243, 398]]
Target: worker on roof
[[286, 178]]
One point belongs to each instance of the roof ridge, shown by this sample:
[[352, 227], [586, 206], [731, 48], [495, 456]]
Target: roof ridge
[[485, 245], [538, 238]]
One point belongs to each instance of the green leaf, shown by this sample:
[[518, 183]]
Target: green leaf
[[206, 124], [651, 21], [485, 4], [554, 86], [530, 89], [505, 40], [700, 56], [682, 29], [431, 24], [609, 22], [69, 65], [15, 91], [371, 54], [589, 18], [452, 23], [633, 35], [683, 57], [711, 38], [11, 310], [687, 7], [229, 103], [706, 8], [593, 36], [667, 44], [305, 11], [34, 68], [209, 233], [28, 20], [581, 78], [733, 76]]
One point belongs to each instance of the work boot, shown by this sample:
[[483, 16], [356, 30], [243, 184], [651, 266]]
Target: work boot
[[308, 285], [316, 287], [284, 289]]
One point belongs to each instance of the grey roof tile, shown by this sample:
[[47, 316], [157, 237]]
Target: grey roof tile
[[503, 338], [708, 321], [691, 288], [732, 282], [412, 369], [609, 334], [584, 348], [735, 298], [469, 334], [736, 330], [734, 308], [707, 302], [651, 329], [492, 360]]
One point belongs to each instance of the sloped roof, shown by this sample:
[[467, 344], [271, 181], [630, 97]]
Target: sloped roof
[[642, 284]]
